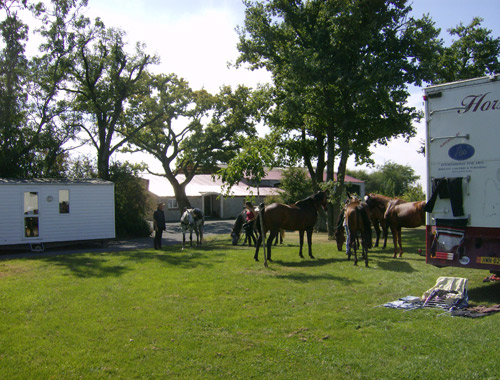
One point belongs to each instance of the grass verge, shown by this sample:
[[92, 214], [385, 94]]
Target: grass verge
[[214, 313]]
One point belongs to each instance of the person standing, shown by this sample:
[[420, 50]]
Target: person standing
[[158, 225], [251, 216]]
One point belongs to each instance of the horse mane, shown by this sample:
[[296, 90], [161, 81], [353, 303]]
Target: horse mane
[[380, 197], [311, 198]]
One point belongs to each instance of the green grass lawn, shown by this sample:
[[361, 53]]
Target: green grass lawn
[[214, 313]]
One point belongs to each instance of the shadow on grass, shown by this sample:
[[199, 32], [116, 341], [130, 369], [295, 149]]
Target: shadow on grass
[[99, 265], [306, 277], [396, 265], [307, 263], [489, 293], [87, 266]]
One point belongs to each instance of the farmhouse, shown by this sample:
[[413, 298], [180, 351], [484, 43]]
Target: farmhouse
[[205, 193], [42, 211]]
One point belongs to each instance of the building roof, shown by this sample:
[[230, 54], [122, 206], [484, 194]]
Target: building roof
[[276, 174], [54, 181], [202, 184]]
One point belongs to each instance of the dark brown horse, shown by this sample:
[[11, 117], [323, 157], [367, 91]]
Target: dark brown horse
[[300, 216], [378, 206], [408, 215], [357, 223]]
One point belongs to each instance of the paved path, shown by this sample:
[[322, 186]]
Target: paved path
[[172, 235]]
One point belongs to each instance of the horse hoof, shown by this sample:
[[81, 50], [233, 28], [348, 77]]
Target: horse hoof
[[311, 256], [395, 256], [400, 255]]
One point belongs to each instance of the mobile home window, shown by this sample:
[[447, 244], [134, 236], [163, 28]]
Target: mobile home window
[[31, 214], [63, 201]]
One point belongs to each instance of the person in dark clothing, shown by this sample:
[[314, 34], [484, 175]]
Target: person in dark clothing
[[158, 225]]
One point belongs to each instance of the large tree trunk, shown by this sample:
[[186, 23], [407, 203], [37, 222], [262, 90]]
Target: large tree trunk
[[179, 189], [103, 163], [339, 189], [330, 176]]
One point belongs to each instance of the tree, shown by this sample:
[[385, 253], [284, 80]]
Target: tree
[[474, 54], [131, 202], [34, 123], [14, 138], [197, 130], [390, 179], [103, 80], [296, 185], [345, 66], [252, 160]]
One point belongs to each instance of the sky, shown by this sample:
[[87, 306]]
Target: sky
[[196, 39]]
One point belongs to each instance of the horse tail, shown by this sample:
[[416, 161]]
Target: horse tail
[[366, 225]]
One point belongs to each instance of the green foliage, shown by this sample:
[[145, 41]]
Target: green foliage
[[296, 185], [341, 71], [213, 313], [273, 199], [34, 123], [130, 201], [414, 193], [252, 161], [474, 53], [390, 179]]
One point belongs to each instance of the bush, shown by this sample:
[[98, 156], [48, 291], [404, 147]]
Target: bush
[[130, 202]]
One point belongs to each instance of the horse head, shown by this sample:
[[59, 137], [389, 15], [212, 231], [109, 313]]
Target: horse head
[[187, 217], [340, 237], [234, 237], [321, 199]]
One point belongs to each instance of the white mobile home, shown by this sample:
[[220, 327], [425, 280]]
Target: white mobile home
[[37, 212]]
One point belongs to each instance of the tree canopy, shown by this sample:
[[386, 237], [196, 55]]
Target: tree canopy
[[342, 71]]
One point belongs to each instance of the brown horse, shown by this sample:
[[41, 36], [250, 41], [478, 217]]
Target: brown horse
[[357, 222], [408, 215], [301, 216], [378, 206]]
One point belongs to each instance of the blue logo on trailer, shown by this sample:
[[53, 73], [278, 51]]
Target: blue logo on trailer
[[461, 152]]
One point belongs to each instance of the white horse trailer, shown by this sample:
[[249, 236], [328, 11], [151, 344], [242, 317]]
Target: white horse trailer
[[38, 212], [463, 174]]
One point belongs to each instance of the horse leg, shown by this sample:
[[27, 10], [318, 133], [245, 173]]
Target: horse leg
[[354, 248], [309, 242], [257, 247], [394, 232], [365, 255], [376, 226], [191, 237], [385, 233], [399, 242], [272, 234], [301, 236], [248, 237], [252, 237], [365, 244], [183, 239]]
